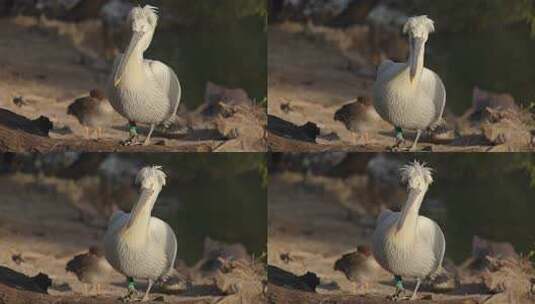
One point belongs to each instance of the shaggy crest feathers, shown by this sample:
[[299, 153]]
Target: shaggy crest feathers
[[148, 12], [415, 25], [151, 177], [416, 175]]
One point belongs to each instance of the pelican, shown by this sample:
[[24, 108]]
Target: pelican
[[408, 95], [138, 245], [141, 90], [407, 244]]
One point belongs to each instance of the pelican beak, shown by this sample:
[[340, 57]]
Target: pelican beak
[[142, 207], [127, 56], [417, 49]]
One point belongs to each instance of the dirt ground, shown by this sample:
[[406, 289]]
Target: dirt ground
[[309, 229], [313, 72], [49, 64], [43, 226]]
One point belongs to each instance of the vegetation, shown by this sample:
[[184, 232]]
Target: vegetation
[[217, 12], [476, 15]]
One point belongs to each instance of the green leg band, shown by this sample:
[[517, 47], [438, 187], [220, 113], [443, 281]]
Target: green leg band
[[399, 133], [399, 282], [131, 285], [133, 130]]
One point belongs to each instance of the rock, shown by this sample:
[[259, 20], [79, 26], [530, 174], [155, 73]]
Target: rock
[[215, 252], [386, 16], [40, 126], [38, 283], [244, 280], [307, 132], [355, 12], [68, 10], [320, 11], [482, 248], [507, 132], [283, 278], [510, 276], [216, 96], [114, 15], [483, 100]]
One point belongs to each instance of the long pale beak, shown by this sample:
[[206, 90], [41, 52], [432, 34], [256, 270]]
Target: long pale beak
[[141, 207], [411, 200], [417, 49], [127, 56]]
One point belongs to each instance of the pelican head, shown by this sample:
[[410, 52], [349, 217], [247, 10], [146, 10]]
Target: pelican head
[[151, 178], [143, 22], [418, 29], [417, 176]]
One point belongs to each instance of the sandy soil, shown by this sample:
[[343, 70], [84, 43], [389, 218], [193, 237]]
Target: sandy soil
[[50, 64], [313, 229], [312, 73], [43, 226]]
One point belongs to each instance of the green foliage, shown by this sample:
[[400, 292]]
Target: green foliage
[[461, 15], [528, 164], [217, 11]]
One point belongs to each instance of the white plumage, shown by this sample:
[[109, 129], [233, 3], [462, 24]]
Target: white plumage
[[138, 245], [141, 90], [405, 243], [408, 95]]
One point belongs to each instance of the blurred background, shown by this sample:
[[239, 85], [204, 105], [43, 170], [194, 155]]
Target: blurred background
[[57, 51], [490, 196], [220, 42], [323, 208], [323, 58], [484, 43], [218, 197]]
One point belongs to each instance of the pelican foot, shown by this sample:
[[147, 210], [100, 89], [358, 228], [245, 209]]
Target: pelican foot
[[398, 146], [146, 142], [131, 141], [131, 296]]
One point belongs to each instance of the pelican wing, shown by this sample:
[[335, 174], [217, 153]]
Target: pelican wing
[[433, 85], [430, 233], [163, 236], [383, 67], [169, 84], [118, 219], [381, 220]]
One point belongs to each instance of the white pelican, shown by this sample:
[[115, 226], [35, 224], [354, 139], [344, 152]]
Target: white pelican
[[141, 90], [407, 244], [138, 245], [408, 95]]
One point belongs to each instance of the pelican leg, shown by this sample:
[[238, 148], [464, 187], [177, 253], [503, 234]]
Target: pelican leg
[[131, 294], [133, 139], [147, 140], [399, 289], [146, 296], [418, 282], [399, 138], [418, 134]]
